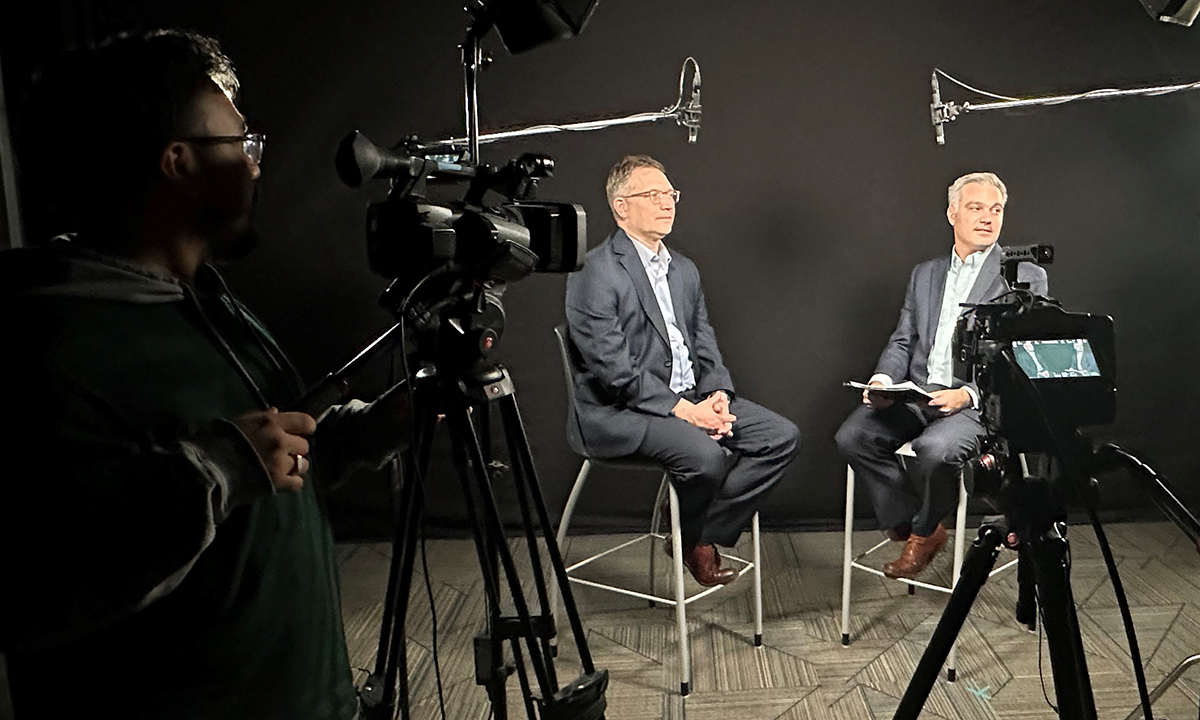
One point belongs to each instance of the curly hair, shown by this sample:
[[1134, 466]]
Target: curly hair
[[100, 117]]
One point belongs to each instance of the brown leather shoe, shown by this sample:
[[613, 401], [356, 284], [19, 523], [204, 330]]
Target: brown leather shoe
[[917, 554], [704, 563], [899, 533]]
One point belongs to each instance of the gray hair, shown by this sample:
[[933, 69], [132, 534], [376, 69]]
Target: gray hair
[[619, 175], [983, 178]]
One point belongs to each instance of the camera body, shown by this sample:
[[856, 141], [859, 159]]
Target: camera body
[[408, 237], [450, 262], [1039, 368]]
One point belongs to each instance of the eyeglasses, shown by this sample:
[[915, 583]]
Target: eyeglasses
[[656, 196], [252, 143]]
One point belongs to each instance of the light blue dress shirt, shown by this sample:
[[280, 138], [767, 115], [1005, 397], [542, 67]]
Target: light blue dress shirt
[[960, 278], [657, 265]]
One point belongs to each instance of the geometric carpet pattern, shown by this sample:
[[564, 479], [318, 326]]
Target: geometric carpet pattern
[[803, 671]]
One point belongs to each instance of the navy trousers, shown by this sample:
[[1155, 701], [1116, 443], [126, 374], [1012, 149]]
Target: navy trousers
[[923, 496], [721, 484]]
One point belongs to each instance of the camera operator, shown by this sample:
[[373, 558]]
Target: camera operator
[[945, 432], [165, 545]]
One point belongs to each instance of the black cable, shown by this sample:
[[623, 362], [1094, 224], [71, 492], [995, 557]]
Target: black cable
[[420, 479], [1041, 673], [437, 666], [1101, 538]]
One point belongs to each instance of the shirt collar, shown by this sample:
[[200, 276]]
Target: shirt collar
[[647, 255], [973, 261]]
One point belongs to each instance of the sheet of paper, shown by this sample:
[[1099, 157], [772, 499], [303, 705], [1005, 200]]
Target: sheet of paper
[[906, 387]]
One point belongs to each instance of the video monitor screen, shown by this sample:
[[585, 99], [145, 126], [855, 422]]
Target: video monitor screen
[[1053, 359]]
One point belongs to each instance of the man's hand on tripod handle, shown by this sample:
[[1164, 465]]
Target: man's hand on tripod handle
[[281, 441], [354, 434]]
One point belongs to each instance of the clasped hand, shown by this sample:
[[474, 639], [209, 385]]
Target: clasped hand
[[710, 415]]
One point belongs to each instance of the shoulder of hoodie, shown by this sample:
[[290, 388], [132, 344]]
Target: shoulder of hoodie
[[63, 268]]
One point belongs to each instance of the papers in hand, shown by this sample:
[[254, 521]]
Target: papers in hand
[[907, 391]]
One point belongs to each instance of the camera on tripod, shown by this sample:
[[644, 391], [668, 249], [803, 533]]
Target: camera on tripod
[[452, 260], [1043, 374], [408, 236], [1039, 368]]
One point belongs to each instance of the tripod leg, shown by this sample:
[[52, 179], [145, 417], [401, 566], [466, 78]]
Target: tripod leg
[[975, 569], [512, 416], [1026, 610], [397, 663], [463, 433], [1072, 684], [531, 541], [523, 679], [388, 685], [496, 679]]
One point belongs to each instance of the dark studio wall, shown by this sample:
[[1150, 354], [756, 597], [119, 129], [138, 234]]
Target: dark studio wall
[[814, 188]]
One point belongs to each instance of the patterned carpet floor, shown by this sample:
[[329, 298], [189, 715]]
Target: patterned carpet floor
[[803, 671]]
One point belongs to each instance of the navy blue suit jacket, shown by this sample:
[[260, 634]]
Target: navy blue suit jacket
[[906, 356], [620, 351]]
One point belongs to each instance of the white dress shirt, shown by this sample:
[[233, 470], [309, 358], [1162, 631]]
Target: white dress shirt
[[657, 265], [960, 278]]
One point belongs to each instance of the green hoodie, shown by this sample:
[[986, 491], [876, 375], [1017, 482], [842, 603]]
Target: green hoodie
[[151, 570]]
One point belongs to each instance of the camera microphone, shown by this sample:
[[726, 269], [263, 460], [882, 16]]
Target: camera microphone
[[358, 159]]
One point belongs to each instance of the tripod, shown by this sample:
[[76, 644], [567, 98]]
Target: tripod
[[1036, 532], [463, 397]]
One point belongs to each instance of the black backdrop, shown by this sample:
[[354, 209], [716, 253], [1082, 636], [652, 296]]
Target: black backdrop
[[815, 186]]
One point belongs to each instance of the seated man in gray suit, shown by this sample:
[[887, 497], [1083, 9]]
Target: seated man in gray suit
[[649, 380], [946, 431]]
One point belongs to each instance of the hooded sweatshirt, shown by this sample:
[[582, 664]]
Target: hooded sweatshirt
[[150, 568]]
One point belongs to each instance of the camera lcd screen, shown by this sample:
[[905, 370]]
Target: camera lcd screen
[[1052, 359]]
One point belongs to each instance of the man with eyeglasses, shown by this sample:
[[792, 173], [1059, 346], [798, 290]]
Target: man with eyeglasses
[[165, 549], [652, 383]]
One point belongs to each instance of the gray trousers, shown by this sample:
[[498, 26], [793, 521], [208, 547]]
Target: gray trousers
[[923, 496], [722, 484]]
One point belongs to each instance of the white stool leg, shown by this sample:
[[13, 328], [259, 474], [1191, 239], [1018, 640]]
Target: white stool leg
[[563, 524], [960, 534], [847, 555], [655, 523], [757, 582], [685, 656]]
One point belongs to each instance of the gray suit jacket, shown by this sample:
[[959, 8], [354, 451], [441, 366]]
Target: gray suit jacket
[[620, 351], [907, 353]]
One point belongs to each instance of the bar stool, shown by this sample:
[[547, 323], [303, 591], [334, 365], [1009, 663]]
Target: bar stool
[[852, 562], [679, 598]]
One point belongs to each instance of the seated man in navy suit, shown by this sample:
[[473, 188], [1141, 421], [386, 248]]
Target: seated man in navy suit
[[652, 383], [945, 432]]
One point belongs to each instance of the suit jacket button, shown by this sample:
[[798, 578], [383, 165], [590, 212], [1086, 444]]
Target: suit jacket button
[[667, 364]]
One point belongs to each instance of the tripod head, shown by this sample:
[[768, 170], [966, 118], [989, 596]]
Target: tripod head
[[455, 323]]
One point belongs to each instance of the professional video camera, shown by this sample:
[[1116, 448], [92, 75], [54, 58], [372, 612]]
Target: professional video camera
[[450, 262], [1039, 368]]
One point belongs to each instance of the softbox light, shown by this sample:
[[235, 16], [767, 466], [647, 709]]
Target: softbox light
[[526, 24], [1178, 12]]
